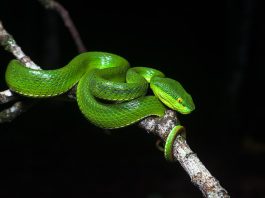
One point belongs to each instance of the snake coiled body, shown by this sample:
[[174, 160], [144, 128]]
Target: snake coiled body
[[110, 94], [117, 115], [98, 74]]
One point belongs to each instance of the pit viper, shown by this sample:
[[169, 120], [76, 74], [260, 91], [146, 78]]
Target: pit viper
[[109, 93]]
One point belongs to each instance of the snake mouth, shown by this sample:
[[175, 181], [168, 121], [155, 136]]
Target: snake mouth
[[173, 105], [186, 111], [166, 101]]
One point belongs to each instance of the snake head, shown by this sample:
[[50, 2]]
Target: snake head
[[172, 94]]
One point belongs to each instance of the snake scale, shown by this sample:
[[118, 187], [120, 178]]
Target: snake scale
[[110, 94]]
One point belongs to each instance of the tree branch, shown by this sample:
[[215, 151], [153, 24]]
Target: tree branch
[[200, 176], [9, 44], [7, 96], [14, 111]]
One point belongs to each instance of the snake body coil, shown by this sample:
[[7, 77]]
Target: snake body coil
[[110, 94]]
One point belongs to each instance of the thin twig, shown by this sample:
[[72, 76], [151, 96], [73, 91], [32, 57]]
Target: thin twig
[[68, 22]]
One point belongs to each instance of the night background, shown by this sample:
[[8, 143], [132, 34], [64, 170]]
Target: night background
[[216, 50]]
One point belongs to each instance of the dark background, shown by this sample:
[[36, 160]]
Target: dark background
[[216, 50]]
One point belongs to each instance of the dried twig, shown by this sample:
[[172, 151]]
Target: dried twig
[[54, 5]]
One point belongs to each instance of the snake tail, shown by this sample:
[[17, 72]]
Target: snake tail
[[168, 149]]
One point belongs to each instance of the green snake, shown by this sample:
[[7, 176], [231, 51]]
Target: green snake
[[109, 93]]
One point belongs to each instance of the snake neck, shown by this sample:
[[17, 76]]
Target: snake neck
[[109, 84], [146, 72]]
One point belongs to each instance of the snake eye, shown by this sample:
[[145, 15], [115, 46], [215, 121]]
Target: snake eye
[[179, 100]]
